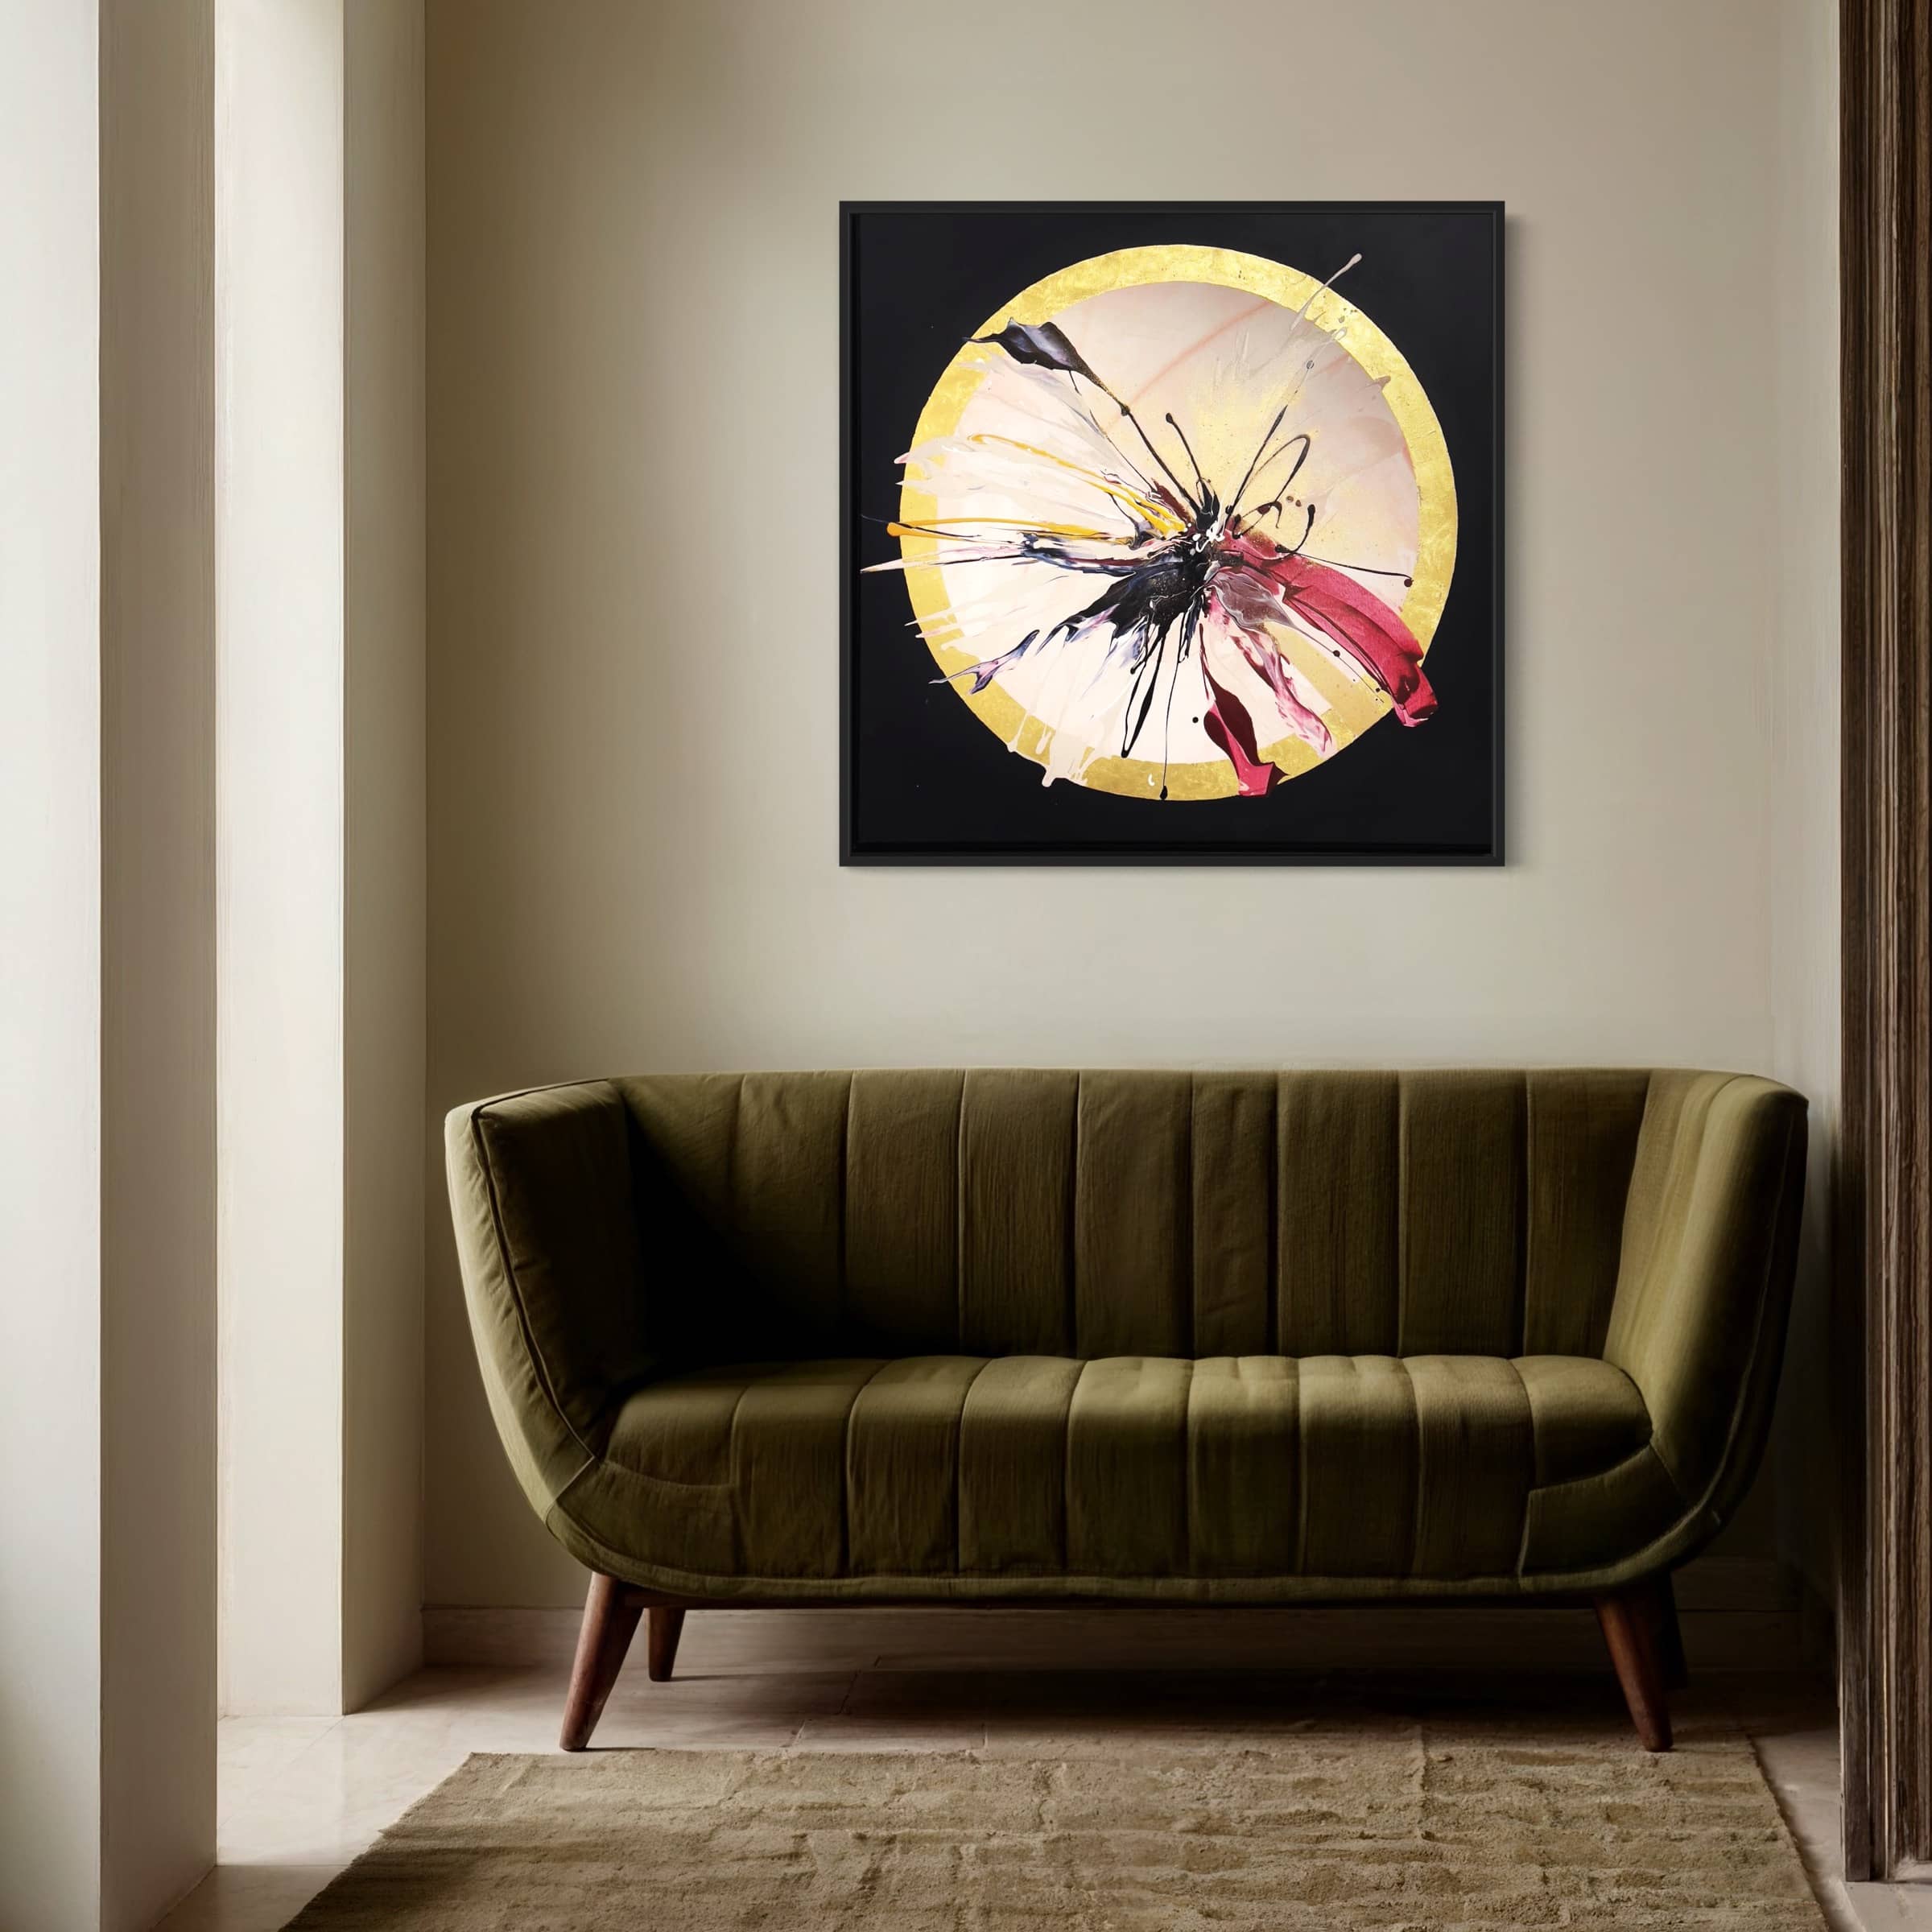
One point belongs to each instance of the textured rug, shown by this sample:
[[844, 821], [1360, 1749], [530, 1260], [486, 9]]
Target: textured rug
[[1380, 1821]]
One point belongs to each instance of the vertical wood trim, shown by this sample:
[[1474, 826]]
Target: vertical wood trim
[[1885, 1189]]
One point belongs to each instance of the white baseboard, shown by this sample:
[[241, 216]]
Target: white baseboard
[[1738, 1614]]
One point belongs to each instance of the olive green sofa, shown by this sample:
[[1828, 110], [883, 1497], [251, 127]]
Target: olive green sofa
[[1146, 1338]]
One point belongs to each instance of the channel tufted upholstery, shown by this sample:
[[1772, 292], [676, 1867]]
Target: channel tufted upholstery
[[1227, 1337]]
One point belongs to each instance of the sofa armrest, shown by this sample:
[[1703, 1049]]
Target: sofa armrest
[[1703, 1288], [541, 1193]]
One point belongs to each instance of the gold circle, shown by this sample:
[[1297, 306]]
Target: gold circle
[[1354, 706]]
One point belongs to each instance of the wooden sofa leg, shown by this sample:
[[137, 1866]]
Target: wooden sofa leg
[[1625, 1615], [610, 1619], [661, 1641]]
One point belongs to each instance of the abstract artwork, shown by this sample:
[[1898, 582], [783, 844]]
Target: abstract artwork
[[1183, 547]]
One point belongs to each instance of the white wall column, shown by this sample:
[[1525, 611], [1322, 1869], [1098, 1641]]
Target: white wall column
[[384, 840], [279, 301], [106, 977], [318, 507], [110, 594], [50, 968], [157, 953]]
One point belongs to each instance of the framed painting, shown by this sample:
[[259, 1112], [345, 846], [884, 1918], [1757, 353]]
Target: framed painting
[[1171, 533]]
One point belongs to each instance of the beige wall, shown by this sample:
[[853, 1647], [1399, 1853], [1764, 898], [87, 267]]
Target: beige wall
[[1804, 826], [632, 465]]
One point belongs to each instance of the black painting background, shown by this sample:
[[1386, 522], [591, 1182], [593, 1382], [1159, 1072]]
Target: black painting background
[[925, 778]]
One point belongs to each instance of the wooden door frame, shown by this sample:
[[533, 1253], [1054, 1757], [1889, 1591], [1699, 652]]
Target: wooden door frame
[[1884, 1178]]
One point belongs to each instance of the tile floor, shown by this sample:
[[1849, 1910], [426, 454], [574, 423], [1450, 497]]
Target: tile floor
[[300, 1798]]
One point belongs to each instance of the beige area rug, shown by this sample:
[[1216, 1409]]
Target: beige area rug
[[1379, 1821]]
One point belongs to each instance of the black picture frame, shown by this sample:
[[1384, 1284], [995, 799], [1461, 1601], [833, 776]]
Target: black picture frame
[[911, 274]]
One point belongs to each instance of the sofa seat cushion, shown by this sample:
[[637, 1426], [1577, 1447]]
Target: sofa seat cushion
[[1426, 1467]]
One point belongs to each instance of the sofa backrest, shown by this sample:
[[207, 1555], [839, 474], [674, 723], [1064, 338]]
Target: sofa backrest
[[1094, 1213]]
